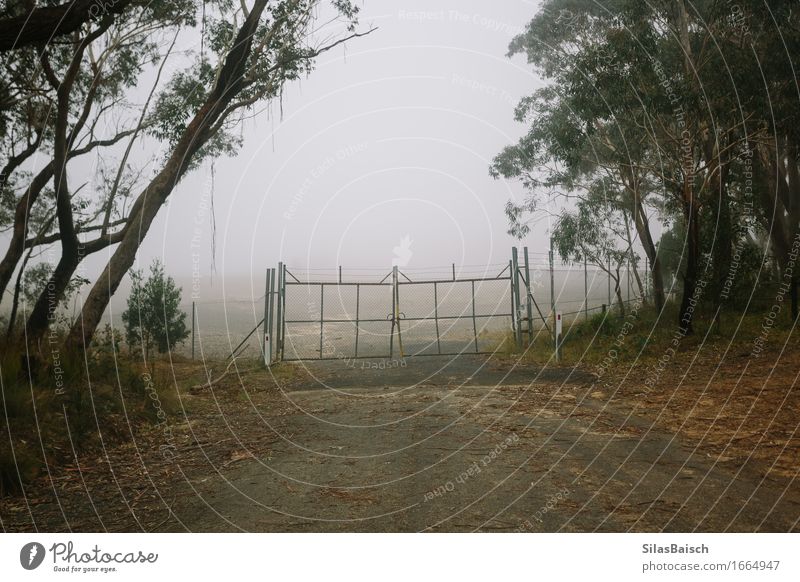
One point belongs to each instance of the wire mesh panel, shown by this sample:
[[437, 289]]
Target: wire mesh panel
[[342, 320], [452, 317], [220, 326], [336, 320], [374, 327]]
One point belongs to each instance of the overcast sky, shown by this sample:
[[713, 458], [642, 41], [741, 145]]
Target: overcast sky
[[381, 154]]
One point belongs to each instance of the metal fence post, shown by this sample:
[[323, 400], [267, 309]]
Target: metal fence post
[[271, 326], [358, 300], [553, 295], [474, 321], [321, 316], [515, 277], [394, 311], [436, 315], [265, 336], [628, 276], [511, 292], [585, 290], [279, 328], [194, 325], [528, 292]]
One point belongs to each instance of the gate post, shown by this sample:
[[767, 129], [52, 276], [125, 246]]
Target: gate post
[[528, 292], [515, 286], [511, 293], [281, 316], [553, 297], [394, 311], [268, 339], [265, 330]]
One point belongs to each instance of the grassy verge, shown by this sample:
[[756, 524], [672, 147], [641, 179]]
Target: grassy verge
[[644, 335], [70, 407]]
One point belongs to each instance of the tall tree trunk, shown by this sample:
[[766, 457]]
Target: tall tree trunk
[[16, 246], [71, 253], [44, 309], [646, 239], [149, 202], [632, 181], [618, 292], [638, 280], [723, 245], [686, 315]]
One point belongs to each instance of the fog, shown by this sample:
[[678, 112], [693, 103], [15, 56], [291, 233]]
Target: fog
[[385, 146]]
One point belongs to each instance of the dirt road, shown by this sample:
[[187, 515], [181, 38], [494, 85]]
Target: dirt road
[[463, 445], [436, 445]]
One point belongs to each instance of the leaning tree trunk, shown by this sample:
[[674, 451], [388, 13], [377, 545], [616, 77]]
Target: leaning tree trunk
[[148, 203], [46, 305]]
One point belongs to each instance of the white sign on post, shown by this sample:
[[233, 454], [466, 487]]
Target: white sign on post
[[267, 350]]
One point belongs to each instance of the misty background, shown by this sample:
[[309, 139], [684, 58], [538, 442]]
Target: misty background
[[385, 145]]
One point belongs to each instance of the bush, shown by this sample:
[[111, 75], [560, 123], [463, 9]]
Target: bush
[[153, 318]]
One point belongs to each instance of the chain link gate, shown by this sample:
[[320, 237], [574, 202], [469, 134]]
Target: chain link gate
[[396, 317]]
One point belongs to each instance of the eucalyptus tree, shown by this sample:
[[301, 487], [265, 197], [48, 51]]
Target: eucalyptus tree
[[647, 87], [591, 233], [72, 93], [562, 159], [766, 42], [79, 94], [276, 43]]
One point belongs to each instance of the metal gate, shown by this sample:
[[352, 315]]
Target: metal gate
[[395, 317]]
